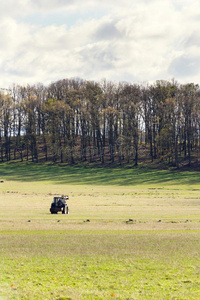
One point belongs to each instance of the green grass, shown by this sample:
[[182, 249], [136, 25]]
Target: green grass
[[44, 256], [85, 175], [95, 266]]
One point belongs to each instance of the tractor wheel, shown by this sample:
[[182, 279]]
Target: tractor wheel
[[64, 210]]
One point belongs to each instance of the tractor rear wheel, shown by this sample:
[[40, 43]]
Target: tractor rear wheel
[[64, 210]]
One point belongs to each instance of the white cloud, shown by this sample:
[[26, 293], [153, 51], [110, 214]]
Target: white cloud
[[134, 40]]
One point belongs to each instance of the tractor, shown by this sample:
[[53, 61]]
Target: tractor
[[59, 204]]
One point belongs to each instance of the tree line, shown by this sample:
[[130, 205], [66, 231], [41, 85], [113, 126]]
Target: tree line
[[74, 120]]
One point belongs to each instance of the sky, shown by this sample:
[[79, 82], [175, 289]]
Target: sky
[[136, 41]]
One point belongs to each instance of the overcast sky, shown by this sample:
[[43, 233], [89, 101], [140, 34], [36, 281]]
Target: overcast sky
[[129, 40]]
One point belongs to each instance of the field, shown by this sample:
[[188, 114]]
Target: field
[[132, 233]]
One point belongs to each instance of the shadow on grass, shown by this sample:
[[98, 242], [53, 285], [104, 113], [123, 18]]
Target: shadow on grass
[[80, 174]]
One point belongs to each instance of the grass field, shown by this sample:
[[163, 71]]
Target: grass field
[[44, 256]]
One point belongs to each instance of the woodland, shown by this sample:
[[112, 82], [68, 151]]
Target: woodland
[[75, 121]]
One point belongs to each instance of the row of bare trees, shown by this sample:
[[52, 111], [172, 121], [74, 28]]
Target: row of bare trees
[[73, 120]]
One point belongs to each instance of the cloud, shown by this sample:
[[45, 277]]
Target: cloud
[[128, 40], [46, 5], [192, 40], [100, 56], [185, 66], [23, 7], [107, 31]]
